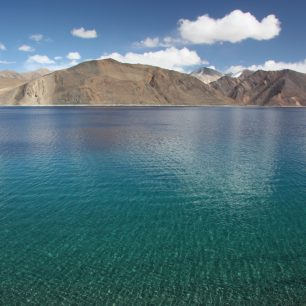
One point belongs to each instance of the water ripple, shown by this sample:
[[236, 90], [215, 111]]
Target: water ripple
[[152, 206]]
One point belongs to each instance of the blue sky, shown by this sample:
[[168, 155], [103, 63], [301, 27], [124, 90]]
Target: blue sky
[[234, 35]]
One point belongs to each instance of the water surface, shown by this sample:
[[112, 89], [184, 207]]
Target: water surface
[[151, 206]]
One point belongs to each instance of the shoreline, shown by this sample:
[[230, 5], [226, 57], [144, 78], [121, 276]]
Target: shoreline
[[152, 105]]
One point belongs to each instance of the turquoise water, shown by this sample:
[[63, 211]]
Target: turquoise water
[[152, 206]]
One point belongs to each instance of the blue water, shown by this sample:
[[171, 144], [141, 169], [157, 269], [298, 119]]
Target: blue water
[[152, 206]]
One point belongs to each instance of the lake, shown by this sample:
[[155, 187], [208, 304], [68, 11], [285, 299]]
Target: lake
[[152, 206]]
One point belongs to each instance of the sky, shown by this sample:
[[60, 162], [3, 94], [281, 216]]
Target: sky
[[228, 35]]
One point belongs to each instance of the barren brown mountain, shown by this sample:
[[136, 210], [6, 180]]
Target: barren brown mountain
[[110, 82], [32, 75], [10, 79], [280, 88]]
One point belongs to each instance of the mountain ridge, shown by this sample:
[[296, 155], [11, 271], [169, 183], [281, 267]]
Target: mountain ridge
[[103, 82], [109, 82]]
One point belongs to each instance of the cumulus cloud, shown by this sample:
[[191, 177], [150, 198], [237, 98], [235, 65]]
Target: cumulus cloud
[[170, 58], [26, 48], [271, 65], [86, 34], [57, 58], [73, 56], [234, 27], [37, 37], [40, 59], [2, 47]]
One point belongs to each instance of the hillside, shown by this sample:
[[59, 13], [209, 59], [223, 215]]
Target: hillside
[[11, 79], [110, 82], [279, 88]]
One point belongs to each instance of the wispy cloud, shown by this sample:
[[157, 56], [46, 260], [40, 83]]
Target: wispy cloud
[[157, 42], [271, 65], [74, 56], [26, 48], [2, 47], [37, 37], [40, 59], [86, 34], [148, 43], [6, 62]]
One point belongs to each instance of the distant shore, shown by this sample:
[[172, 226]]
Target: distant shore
[[154, 105]]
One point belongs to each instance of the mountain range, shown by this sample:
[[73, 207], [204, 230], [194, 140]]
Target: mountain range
[[108, 82]]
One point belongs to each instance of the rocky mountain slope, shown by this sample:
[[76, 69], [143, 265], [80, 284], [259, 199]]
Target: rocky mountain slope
[[280, 88], [10, 79], [32, 75], [110, 82], [207, 75]]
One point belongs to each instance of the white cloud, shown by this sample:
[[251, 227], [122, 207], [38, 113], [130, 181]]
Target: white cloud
[[43, 61], [82, 33], [37, 37], [233, 28], [235, 69], [148, 43], [73, 56], [26, 48], [2, 47], [6, 62], [157, 42], [40, 59], [170, 58], [271, 65], [171, 41]]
